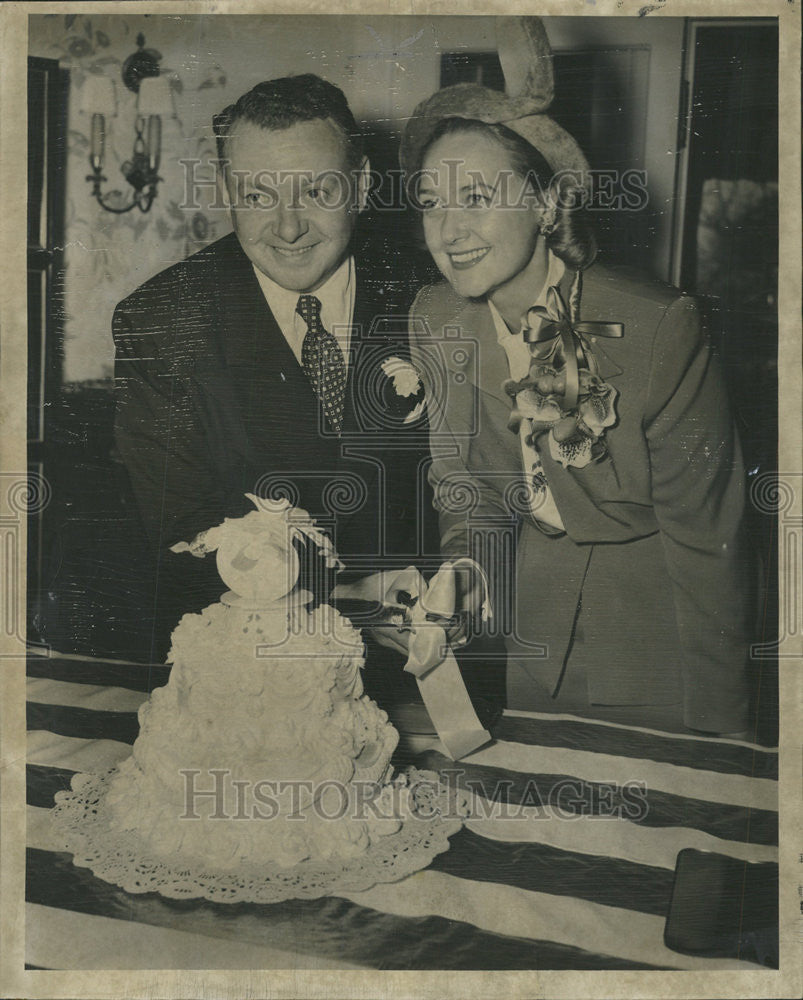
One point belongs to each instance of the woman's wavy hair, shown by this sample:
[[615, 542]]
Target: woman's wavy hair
[[572, 239]]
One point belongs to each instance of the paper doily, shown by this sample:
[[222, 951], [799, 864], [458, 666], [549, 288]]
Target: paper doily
[[123, 858]]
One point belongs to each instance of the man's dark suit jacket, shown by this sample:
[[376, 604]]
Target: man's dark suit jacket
[[212, 404]]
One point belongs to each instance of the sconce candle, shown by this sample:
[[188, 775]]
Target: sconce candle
[[139, 171], [98, 130], [154, 141], [154, 101]]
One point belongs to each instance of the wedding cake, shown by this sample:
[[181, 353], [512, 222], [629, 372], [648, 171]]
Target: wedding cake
[[261, 770]]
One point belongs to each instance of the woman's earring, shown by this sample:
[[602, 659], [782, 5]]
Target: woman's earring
[[548, 220]]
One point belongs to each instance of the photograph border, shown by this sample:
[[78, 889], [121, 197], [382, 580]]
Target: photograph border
[[107, 984]]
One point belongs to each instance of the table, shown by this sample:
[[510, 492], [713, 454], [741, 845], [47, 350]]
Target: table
[[570, 868]]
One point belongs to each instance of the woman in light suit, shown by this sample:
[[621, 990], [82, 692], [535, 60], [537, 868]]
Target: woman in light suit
[[583, 448]]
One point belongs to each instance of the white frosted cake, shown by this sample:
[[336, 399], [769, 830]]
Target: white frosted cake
[[263, 719], [261, 771]]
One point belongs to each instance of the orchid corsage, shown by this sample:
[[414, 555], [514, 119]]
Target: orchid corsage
[[563, 392]]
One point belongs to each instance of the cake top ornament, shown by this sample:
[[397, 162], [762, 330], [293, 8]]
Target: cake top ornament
[[256, 554]]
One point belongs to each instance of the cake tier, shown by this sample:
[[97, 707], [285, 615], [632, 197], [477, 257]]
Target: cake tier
[[261, 745]]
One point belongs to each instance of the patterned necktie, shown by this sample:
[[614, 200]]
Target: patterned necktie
[[322, 360]]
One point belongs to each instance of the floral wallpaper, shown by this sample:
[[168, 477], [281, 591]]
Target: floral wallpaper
[[106, 256]]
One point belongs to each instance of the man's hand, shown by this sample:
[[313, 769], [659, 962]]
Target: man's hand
[[382, 588], [456, 598], [391, 592]]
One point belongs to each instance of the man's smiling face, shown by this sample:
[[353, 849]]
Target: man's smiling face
[[293, 200]]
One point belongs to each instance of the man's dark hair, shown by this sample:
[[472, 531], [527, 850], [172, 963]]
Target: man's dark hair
[[278, 104]]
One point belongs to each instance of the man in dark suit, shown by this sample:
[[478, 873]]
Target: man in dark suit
[[257, 364]]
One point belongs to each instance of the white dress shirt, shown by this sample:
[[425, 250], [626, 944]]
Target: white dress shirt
[[542, 503], [336, 296]]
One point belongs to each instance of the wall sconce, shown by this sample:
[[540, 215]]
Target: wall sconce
[[140, 75]]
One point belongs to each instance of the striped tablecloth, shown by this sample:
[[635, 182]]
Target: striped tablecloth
[[570, 868]]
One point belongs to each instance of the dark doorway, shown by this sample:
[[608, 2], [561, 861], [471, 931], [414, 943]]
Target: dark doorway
[[729, 256], [47, 161]]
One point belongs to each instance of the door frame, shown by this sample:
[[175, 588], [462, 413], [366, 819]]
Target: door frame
[[685, 114]]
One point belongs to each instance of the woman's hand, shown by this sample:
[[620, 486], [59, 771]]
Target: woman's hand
[[391, 592], [470, 598], [455, 599]]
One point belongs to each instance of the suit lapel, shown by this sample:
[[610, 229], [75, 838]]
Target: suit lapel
[[608, 369], [577, 491], [482, 359], [249, 331], [370, 345], [272, 392], [362, 455], [360, 326], [362, 356]]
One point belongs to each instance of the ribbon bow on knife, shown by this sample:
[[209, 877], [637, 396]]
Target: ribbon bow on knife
[[427, 613]]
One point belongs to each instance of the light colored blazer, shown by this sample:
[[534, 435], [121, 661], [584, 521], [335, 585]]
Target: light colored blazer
[[648, 589]]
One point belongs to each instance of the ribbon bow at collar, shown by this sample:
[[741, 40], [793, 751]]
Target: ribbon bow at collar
[[561, 344]]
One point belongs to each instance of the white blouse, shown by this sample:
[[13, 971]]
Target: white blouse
[[541, 501]]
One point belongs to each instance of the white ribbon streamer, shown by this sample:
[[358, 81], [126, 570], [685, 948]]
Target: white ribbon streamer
[[434, 666]]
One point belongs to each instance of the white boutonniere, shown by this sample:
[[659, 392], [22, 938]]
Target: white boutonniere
[[407, 399]]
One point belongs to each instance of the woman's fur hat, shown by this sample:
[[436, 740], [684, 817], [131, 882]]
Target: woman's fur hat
[[526, 59]]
